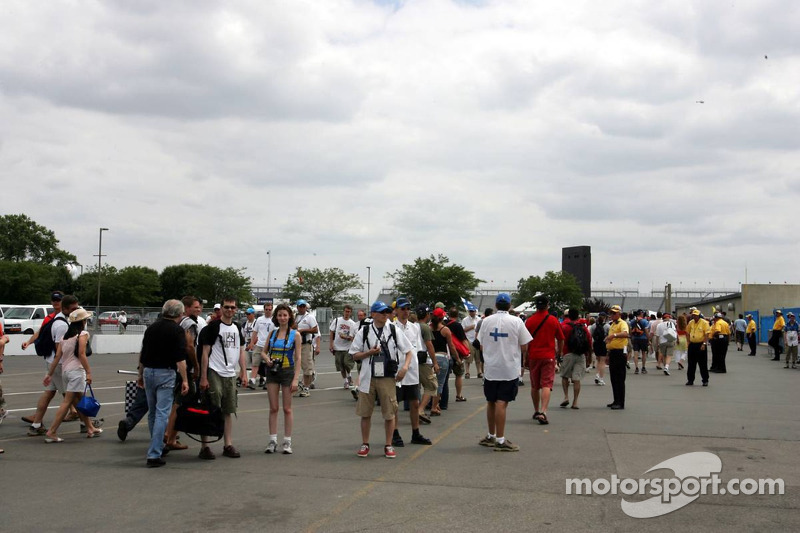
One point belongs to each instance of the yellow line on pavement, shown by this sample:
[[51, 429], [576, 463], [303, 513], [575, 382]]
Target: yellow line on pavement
[[345, 505]]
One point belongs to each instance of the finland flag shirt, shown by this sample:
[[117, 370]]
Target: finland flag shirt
[[501, 337]]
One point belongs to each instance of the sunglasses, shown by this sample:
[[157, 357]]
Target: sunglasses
[[229, 307]]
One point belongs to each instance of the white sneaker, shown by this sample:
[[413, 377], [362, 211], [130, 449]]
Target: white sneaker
[[272, 447], [346, 385], [3, 414], [287, 447], [304, 393]]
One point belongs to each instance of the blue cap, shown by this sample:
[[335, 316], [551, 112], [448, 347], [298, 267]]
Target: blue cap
[[379, 307], [503, 297], [250, 311], [301, 302], [471, 307], [403, 302]]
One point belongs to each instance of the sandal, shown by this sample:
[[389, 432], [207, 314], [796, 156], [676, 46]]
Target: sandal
[[94, 434], [460, 399], [466, 375], [543, 419], [564, 403], [536, 415], [424, 418], [52, 440]]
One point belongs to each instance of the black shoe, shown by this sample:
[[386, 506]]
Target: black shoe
[[206, 453], [776, 359], [155, 463], [397, 440], [705, 384], [122, 431], [689, 384], [617, 407], [610, 404], [164, 452], [419, 439]]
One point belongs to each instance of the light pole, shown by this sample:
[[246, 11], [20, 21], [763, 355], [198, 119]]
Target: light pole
[[269, 269], [99, 272], [368, 277]]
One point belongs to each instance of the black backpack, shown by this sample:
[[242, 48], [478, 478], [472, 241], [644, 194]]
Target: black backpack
[[578, 340], [44, 343], [599, 335]]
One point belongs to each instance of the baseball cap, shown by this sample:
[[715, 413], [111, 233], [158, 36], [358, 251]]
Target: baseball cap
[[778, 311], [503, 297], [439, 313], [403, 302], [789, 314], [540, 300], [250, 311], [56, 296], [377, 307], [79, 314], [717, 315], [667, 315], [748, 316], [217, 306], [301, 302], [439, 305], [421, 310], [695, 312], [471, 308], [615, 309]]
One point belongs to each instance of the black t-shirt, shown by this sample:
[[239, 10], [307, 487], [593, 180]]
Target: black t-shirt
[[163, 345], [457, 330]]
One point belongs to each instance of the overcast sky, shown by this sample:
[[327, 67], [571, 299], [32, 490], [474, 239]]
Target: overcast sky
[[357, 133]]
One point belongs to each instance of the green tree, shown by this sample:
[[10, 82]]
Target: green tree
[[434, 279], [26, 282], [322, 288], [22, 239], [561, 288], [595, 305], [205, 282]]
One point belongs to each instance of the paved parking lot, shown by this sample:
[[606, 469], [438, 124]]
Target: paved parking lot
[[748, 417]]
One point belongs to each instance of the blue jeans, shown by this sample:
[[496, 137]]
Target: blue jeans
[[159, 384], [444, 369]]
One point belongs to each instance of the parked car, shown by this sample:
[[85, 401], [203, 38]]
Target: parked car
[[26, 319], [108, 317], [151, 317], [134, 319]]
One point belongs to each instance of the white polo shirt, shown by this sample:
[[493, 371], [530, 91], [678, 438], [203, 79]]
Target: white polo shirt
[[467, 322], [501, 337], [397, 351]]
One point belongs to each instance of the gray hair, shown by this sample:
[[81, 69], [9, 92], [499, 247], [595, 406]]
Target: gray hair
[[172, 309]]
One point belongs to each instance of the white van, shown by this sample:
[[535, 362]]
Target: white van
[[25, 319]]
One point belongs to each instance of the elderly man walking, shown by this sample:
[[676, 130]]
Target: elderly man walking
[[163, 353]]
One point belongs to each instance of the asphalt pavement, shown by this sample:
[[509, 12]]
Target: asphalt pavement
[[747, 417]]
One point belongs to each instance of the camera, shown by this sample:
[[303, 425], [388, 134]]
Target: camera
[[276, 366]]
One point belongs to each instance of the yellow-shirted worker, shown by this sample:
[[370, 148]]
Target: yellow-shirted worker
[[719, 337], [616, 341], [750, 334], [777, 335], [698, 331]]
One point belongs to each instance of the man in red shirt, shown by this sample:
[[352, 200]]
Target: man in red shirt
[[548, 340], [573, 366]]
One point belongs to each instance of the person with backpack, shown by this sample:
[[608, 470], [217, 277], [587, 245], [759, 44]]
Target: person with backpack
[[71, 359], [598, 331], [386, 357], [666, 335], [281, 355], [638, 332], [223, 349], [578, 343], [50, 335]]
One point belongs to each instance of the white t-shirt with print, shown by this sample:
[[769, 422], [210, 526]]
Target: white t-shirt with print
[[397, 351], [501, 336], [233, 342], [343, 331], [262, 329], [414, 336], [57, 330], [247, 331]]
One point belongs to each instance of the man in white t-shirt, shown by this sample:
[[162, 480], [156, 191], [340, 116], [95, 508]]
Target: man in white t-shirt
[[666, 334], [408, 388], [223, 349], [342, 332], [470, 325], [69, 303], [122, 321], [307, 327], [261, 332], [502, 338], [382, 348]]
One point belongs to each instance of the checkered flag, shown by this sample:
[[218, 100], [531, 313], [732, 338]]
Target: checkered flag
[[130, 395]]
